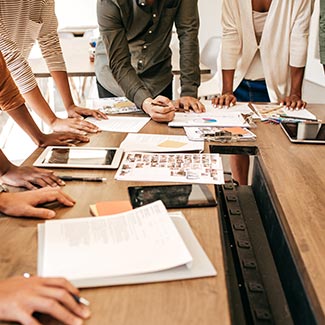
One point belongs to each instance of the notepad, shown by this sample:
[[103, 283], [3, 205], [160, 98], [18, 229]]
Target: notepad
[[105, 208], [142, 245]]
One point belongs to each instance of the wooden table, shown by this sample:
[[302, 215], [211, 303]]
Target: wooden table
[[296, 177], [197, 301], [76, 55]]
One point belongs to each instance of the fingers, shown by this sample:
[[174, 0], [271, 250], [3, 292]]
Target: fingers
[[66, 299], [60, 282], [83, 127], [293, 102], [98, 115], [49, 194], [226, 100], [186, 103], [55, 309]]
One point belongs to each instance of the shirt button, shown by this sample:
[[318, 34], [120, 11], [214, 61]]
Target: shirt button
[[140, 64], [150, 32]]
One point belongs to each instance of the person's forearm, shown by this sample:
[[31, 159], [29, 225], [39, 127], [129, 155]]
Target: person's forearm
[[227, 81], [26, 122], [62, 83], [5, 164], [38, 104], [297, 77]]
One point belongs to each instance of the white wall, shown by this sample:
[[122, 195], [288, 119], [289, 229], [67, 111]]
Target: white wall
[[76, 12], [210, 20]]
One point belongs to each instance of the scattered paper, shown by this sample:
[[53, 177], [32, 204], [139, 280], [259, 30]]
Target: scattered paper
[[120, 123], [183, 168]]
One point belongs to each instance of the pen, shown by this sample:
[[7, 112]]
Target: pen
[[80, 300], [82, 178]]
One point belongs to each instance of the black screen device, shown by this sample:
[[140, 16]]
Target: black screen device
[[173, 196], [291, 131]]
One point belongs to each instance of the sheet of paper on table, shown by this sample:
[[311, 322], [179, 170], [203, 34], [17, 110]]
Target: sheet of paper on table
[[159, 143], [120, 123]]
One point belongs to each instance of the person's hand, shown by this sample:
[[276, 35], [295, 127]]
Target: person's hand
[[76, 125], [76, 111], [24, 204], [61, 139], [186, 103], [293, 102], [160, 109], [29, 177], [226, 99], [21, 297]]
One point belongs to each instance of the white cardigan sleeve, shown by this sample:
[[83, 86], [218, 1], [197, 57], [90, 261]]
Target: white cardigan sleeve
[[300, 32], [231, 40]]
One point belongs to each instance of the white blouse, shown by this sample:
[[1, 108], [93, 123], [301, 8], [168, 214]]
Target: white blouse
[[255, 70], [23, 22]]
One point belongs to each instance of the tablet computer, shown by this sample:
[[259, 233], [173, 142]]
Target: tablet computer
[[173, 196], [80, 157], [304, 132]]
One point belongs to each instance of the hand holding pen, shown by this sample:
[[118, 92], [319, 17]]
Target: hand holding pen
[[22, 296], [160, 109]]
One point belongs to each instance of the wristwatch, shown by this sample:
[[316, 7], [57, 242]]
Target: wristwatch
[[3, 188]]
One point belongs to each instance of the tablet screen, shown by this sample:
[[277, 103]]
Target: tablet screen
[[82, 157], [173, 196], [291, 129]]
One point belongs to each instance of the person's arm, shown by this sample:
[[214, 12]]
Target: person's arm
[[302, 12], [26, 204], [187, 26], [26, 122], [24, 176], [22, 74], [21, 297], [114, 38], [230, 53], [62, 82], [294, 100]]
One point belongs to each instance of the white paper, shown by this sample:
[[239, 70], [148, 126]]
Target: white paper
[[178, 167], [159, 143], [275, 110], [213, 116], [120, 123], [135, 242]]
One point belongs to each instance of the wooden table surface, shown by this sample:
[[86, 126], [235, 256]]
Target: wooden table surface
[[76, 55], [296, 175], [197, 301]]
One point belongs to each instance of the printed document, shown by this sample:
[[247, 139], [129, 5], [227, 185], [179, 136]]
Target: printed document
[[135, 242]]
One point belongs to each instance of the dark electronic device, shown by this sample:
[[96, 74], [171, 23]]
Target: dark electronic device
[[173, 196]]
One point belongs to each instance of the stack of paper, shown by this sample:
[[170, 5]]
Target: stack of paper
[[266, 111], [167, 167], [159, 143], [142, 245]]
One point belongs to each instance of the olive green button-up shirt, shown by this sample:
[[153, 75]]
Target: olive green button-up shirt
[[322, 31], [133, 57]]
